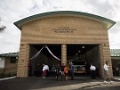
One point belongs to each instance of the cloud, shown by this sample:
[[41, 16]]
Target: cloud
[[14, 10]]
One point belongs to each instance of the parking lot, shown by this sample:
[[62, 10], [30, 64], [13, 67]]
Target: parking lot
[[50, 83]]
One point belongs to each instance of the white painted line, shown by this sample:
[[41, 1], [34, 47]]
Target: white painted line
[[7, 78], [117, 78]]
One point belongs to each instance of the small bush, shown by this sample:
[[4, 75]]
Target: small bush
[[3, 75]]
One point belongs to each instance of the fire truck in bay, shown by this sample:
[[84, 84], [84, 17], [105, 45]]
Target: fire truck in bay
[[79, 67]]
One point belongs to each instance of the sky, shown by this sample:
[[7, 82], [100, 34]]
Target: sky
[[14, 10]]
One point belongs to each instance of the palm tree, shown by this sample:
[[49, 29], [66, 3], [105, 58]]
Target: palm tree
[[1, 27]]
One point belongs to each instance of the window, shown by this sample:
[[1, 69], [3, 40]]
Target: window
[[13, 60]]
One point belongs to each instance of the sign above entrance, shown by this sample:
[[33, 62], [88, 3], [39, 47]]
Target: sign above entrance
[[63, 30]]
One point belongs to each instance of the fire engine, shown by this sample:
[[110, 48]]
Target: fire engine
[[79, 67]]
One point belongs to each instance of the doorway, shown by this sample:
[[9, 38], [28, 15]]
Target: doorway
[[49, 54]]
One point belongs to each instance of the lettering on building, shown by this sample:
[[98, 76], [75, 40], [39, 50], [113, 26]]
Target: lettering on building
[[63, 30]]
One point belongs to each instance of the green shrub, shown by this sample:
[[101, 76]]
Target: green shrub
[[3, 75]]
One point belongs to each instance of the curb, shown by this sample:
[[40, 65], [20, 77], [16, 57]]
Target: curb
[[118, 79], [1, 79]]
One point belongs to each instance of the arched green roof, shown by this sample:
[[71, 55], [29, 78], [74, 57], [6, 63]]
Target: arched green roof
[[108, 22]]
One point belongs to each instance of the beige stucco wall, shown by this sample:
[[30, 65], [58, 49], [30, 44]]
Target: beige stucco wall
[[84, 30], [10, 67], [63, 30]]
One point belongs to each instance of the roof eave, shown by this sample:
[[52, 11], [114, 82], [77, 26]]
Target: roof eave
[[108, 22]]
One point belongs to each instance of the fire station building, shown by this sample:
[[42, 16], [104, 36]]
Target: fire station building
[[63, 36]]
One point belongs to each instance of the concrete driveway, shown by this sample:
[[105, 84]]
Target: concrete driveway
[[50, 83]]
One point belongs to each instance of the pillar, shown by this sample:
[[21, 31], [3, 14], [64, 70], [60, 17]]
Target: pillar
[[105, 56], [64, 53], [22, 70]]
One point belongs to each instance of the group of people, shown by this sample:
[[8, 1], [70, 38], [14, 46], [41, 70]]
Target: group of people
[[64, 71], [106, 72]]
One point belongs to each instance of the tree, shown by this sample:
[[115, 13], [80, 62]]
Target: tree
[[1, 27]]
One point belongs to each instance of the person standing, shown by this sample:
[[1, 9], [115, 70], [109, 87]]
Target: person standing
[[66, 69], [57, 72], [45, 70], [71, 71], [92, 71], [62, 68], [30, 69], [62, 71], [106, 72]]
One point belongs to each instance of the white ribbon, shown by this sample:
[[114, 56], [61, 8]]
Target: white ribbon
[[41, 50], [52, 54], [37, 54]]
